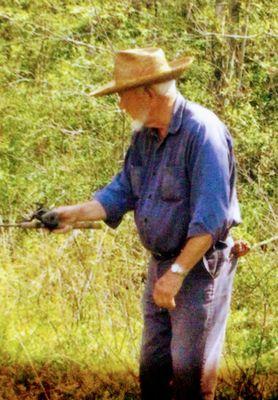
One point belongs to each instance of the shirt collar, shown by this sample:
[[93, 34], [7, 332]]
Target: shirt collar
[[176, 119]]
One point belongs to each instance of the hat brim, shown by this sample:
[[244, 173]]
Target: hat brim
[[176, 69]]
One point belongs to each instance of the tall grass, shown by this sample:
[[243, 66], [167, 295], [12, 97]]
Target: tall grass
[[70, 311], [73, 303]]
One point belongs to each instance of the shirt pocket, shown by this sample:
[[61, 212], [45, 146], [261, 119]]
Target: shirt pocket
[[136, 179], [173, 183]]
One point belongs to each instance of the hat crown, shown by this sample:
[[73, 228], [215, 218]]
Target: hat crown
[[139, 63], [141, 67]]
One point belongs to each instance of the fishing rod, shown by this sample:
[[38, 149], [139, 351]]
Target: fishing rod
[[43, 218], [35, 224]]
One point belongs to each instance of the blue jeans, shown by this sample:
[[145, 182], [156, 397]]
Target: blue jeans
[[181, 348]]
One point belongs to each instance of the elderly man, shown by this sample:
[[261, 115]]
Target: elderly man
[[179, 179]]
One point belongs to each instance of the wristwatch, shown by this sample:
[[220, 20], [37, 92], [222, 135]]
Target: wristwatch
[[177, 269]]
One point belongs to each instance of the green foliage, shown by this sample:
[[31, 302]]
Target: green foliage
[[76, 300]]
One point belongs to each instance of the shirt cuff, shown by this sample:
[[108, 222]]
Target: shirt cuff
[[112, 219], [200, 229]]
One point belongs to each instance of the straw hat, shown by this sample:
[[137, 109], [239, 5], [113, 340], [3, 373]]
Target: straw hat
[[139, 67]]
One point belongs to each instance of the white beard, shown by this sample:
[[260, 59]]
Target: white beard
[[137, 125]]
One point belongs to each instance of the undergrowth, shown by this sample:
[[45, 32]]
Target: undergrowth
[[70, 311]]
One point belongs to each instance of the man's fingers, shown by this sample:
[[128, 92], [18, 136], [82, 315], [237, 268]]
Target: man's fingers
[[170, 304], [240, 248], [63, 229], [164, 302], [165, 290], [158, 299], [173, 303]]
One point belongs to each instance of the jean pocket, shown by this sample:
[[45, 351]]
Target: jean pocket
[[136, 179], [212, 262], [173, 183]]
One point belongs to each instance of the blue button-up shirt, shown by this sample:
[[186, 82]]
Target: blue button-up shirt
[[180, 187]]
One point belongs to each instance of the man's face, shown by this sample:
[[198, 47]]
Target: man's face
[[136, 103]]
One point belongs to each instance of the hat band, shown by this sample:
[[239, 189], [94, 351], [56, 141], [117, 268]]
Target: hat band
[[123, 76]]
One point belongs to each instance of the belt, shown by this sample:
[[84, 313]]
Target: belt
[[220, 245], [165, 256]]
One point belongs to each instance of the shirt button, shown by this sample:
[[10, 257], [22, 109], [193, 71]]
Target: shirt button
[[149, 196]]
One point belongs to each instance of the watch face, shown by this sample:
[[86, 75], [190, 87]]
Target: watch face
[[176, 268]]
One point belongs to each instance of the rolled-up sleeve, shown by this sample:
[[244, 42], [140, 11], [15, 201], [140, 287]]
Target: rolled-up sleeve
[[209, 174], [117, 197]]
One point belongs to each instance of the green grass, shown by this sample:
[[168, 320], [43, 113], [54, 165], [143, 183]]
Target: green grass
[[70, 312]]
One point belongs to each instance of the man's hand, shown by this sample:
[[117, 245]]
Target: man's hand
[[166, 288], [65, 216], [239, 249], [170, 283]]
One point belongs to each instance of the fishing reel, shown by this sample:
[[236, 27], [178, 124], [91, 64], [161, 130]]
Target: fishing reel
[[48, 218]]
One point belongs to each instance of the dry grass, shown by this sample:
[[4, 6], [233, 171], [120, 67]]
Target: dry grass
[[51, 382], [21, 382]]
